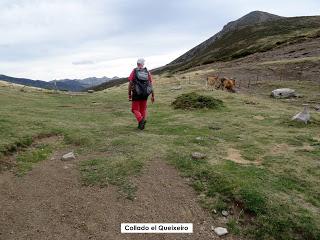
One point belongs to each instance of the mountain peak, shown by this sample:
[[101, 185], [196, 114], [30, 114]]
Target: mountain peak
[[251, 18]]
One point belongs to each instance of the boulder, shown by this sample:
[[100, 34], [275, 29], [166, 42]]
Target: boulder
[[199, 138], [68, 156], [283, 93], [303, 116], [197, 155], [220, 231]]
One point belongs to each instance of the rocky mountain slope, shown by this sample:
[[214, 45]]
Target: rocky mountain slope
[[247, 20], [254, 32]]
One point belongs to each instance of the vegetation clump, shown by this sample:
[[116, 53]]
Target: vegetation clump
[[195, 101]]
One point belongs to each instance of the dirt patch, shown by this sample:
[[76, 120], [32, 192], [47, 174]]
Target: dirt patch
[[8, 159], [258, 117], [50, 203], [234, 155], [279, 148], [285, 148], [50, 139]]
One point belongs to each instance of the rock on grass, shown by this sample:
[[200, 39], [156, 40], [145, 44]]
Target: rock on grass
[[220, 231], [198, 155], [68, 156]]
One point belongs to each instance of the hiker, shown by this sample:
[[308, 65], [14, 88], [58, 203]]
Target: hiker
[[140, 87]]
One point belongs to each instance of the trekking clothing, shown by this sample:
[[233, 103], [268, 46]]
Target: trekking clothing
[[139, 109], [142, 83]]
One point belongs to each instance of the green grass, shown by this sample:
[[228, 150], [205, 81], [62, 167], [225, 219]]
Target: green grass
[[115, 170], [26, 160], [279, 197]]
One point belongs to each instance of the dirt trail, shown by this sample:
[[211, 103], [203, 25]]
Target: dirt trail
[[50, 203]]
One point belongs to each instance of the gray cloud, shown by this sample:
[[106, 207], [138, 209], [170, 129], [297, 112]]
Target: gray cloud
[[49, 39]]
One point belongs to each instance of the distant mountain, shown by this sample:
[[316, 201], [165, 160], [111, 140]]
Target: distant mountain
[[255, 32], [78, 85], [115, 81], [74, 85]]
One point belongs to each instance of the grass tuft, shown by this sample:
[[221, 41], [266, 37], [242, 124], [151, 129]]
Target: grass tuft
[[195, 101], [26, 160]]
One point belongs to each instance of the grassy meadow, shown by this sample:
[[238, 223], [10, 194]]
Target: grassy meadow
[[259, 165]]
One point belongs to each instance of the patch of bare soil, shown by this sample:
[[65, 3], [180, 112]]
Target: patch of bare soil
[[50, 203], [284, 148], [234, 155], [258, 117], [8, 160]]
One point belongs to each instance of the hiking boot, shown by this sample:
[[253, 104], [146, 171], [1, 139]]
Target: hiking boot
[[141, 124]]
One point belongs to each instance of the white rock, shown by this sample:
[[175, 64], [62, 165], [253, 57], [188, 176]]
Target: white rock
[[176, 88], [68, 156], [197, 155], [220, 231], [303, 116], [225, 213], [199, 138], [283, 93]]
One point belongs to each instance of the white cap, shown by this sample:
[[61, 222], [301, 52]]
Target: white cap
[[141, 61]]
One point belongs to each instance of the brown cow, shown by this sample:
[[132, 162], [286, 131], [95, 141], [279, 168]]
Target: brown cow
[[212, 81], [227, 83]]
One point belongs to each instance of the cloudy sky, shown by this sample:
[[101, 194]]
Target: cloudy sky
[[54, 39]]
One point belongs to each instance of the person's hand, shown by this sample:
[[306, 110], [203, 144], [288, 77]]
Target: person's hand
[[152, 99]]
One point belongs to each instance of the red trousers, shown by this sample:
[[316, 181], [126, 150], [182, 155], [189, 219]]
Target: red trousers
[[139, 109]]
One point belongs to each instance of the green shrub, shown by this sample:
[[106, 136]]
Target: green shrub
[[195, 101]]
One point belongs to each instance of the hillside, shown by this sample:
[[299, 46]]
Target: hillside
[[260, 167], [255, 32]]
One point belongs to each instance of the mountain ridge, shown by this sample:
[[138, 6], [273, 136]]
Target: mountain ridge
[[239, 39], [74, 85], [246, 20]]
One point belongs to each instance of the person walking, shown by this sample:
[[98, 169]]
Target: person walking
[[139, 89]]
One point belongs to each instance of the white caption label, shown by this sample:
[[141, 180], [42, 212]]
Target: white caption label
[[156, 228]]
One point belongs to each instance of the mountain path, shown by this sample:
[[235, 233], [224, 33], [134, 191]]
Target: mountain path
[[50, 203]]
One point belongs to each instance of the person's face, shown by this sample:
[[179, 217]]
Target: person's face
[[140, 65]]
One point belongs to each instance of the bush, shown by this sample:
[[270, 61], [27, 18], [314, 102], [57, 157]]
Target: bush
[[196, 101]]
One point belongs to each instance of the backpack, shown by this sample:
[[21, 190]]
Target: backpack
[[142, 86]]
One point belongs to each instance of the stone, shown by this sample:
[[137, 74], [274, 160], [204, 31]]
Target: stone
[[283, 93], [220, 231], [68, 156], [317, 108], [177, 87], [90, 91], [199, 138], [224, 213], [198, 155], [303, 116]]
